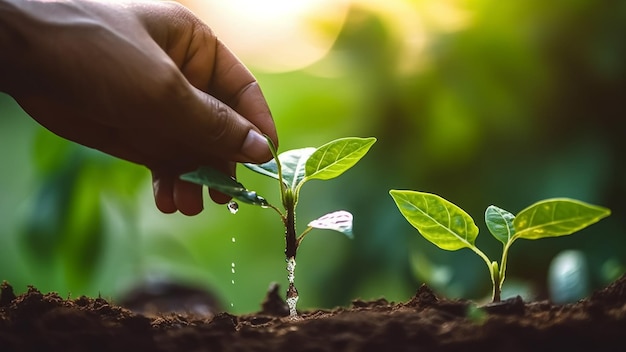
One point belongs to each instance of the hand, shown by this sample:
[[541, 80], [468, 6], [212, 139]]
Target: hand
[[147, 82]]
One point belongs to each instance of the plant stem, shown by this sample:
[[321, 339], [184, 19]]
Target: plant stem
[[291, 242], [292, 291], [291, 247], [502, 271], [301, 237], [496, 284]]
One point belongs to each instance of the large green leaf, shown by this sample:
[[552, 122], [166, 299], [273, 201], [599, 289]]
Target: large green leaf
[[556, 217], [439, 221], [500, 223], [293, 166], [221, 182], [334, 158]]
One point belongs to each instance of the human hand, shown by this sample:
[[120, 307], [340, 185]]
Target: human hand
[[147, 82]]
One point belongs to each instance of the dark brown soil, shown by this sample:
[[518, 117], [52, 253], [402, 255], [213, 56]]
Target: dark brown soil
[[46, 322]]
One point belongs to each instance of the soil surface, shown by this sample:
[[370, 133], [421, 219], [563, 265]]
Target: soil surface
[[46, 322]]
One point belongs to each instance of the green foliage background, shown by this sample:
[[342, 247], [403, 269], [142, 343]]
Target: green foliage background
[[525, 103]]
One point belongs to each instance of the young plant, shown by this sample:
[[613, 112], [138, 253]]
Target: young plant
[[450, 228], [293, 169]]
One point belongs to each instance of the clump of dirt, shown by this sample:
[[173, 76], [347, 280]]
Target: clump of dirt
[[36, 321]]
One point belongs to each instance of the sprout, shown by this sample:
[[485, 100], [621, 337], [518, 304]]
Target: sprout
[[293, 169], [450, 228]]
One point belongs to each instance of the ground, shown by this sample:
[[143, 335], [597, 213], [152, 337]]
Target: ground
[[46, 322]]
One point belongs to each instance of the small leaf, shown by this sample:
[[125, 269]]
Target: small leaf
[[221, 182], [292, 162], [500, 223], [334, 158], [556, 217], [340, 221], [269, 168], [439, 221]]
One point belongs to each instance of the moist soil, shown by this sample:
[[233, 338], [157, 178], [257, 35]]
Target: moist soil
[[46, 322]]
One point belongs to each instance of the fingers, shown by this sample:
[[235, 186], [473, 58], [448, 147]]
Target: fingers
[[188, 197], [234, 84], [229, 112], [212, 129], [172, 194], [163, 189], [207, 64]]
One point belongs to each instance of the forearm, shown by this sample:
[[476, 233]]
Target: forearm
[[31, 40]]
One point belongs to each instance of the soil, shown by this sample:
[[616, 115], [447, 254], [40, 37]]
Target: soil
[[46, 322]]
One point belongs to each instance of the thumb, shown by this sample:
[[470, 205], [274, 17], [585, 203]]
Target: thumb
[[216, 129]]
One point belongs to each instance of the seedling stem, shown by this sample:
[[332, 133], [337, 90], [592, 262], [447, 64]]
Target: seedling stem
[[292, 169]]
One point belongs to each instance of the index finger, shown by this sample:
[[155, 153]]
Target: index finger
[[234, 84]]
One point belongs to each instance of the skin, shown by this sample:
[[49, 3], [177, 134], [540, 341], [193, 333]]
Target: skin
[[147, 82]]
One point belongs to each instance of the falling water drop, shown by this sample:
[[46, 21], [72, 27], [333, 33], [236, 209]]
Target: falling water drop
[[232, 264], [291, 268], [233, 207]]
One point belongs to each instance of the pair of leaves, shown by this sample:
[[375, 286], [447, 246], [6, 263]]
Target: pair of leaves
[[296, 167], [449, 227], [326, 162], [548, 218]]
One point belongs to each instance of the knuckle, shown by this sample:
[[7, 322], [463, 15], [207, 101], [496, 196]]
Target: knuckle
[[221, 126], [171, 85], [179, 11], [176, 8]]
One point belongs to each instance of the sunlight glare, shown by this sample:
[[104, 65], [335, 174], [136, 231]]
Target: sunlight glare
[[274, 35]]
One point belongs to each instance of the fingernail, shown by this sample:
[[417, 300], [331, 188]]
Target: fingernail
[[255, 147]]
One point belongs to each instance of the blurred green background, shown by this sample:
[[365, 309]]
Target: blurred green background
[[482, 102]]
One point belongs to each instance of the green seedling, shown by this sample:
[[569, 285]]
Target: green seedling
[[450, 228], [293, 169]]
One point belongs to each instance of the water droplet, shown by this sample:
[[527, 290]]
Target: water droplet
[[291, 268], [292, 292], [291, 303], [233, 207], [232, 264]]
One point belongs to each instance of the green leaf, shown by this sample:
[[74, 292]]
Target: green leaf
[[223, 183], [293, 166], [269, 168], [439, 221], [334, 158], [340, 221], [556, 217], [500, 223]]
